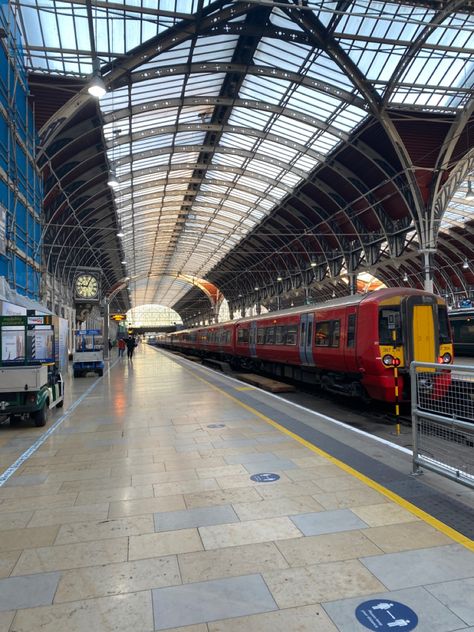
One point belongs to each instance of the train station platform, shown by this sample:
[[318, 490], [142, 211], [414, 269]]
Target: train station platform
[[169, 497]]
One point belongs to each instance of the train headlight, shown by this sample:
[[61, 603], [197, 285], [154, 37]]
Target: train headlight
[[387, 359], [446, 358]]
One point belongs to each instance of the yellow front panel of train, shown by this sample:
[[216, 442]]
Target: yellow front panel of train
[[423, 334]]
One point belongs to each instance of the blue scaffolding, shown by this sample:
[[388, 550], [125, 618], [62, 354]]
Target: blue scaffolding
[[21, 192]]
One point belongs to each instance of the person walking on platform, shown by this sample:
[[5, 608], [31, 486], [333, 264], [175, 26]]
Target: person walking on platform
[[130, 342], [121, 347]]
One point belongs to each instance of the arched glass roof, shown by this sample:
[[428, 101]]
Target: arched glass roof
[[217, 112]]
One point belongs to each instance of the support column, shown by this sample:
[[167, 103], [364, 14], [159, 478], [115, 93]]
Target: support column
[[105, 335], [428, 269], [352, 283]]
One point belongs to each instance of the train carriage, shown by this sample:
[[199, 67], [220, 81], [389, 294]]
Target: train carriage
[[349, 345]]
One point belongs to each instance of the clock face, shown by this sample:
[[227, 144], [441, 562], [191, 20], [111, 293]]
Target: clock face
[[86, 286]]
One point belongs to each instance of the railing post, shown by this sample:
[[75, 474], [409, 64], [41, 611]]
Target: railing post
[[416, 470]]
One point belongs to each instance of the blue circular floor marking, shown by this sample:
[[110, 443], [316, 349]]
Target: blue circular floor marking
[[264, 477], [385, 615], [216, 426]]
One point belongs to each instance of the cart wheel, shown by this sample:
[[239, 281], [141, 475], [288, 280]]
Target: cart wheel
[[40, 417], [15, 419], [60, 404], [100, 372]]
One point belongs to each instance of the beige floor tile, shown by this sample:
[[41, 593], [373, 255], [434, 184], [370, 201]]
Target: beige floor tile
[[164, 477], [137, 467], [121, 613], [67, 556], [146, 506], [322, 582], [117, 493], [167, 543], [340, 483], [29, 491], [38, 502], [404, 537], [222, 497], [330, 547], [304, 619], [185, 487], [218, 472], [313, 460], [79, 475], [313, 473], [200, 627], [350, 498], [114, 579], [288, 490], [5, 620], [8, 559], [186, 462], [230, 562], [14, 520], [276, 507], [104, 529], [384, 514], [64, 515], [249, 532], [13, 539], [96, 483]]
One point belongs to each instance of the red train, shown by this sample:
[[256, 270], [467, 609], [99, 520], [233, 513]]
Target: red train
[[347, 345]]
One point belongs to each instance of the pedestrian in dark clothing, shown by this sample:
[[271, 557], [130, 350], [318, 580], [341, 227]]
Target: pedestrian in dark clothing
[[130, 342]]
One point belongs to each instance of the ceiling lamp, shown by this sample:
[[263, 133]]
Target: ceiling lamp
[[313, 264], [469, 193], [465, 265], [112, 181], [123, 263], [405, 277], [279, 278]]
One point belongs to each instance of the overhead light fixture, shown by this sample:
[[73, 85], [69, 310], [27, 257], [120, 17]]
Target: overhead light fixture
[[405, 277], [120, 234], [256, 289], [112, 181], [279, 278], [313, 264], [465, 265], [123, 263], [96, 87], [469, 193]]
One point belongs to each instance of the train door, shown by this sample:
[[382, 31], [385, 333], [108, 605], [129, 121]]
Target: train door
[[350, 340], [253, 339], [306, 338], [421, 325]]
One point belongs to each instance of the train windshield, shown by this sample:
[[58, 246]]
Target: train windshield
[[444, 333], [390, 326]]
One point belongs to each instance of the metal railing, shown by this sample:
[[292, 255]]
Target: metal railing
[[443, 420]]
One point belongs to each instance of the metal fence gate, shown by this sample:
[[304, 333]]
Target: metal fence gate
[[443, 420]]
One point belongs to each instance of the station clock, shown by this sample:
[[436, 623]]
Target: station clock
[[86, 287]]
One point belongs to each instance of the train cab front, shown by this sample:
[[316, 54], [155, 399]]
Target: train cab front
[[411, 328]]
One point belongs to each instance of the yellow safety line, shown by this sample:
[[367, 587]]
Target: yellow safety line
[[244, 388], [423, 515]]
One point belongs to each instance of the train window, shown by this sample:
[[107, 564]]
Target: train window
[[260, 336], [227, 337], [270, 335], [444, 336], [336, 333], [390, 328], [280, 335], [323, 334], [351, 321], [291, 334], [243, 335]]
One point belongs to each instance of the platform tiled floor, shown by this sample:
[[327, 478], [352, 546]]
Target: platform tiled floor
[[139, 514]]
